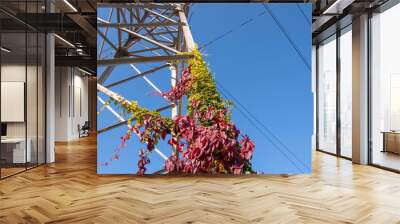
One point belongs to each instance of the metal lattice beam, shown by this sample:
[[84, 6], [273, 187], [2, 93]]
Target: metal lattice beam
[[146, 34]]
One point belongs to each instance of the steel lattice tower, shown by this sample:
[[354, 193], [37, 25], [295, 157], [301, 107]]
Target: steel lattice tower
[[137, 34]]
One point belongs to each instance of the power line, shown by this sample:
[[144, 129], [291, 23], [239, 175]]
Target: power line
[[261, 131], [286, 34], [226, 92], [191, 12], [304, 15], [190, 16], [241, 25], [260, 123], [266, 129], [276, 20]]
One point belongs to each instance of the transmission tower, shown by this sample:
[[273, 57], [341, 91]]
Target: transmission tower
[[137, 34]]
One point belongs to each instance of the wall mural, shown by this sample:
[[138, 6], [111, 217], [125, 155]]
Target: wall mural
[[172, 115]]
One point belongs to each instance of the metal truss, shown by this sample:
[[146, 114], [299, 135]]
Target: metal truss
[[134, 34]]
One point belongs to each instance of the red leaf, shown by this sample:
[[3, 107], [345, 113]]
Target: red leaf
[[163, 134]]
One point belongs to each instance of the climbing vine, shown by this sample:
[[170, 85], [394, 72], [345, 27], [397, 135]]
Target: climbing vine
[[202, 88], [204, 141]]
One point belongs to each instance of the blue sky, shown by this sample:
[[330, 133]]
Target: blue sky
[[256, 64]]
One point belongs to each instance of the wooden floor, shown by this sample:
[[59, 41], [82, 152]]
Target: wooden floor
[[69, 191], [5, 172], [387, 159]]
